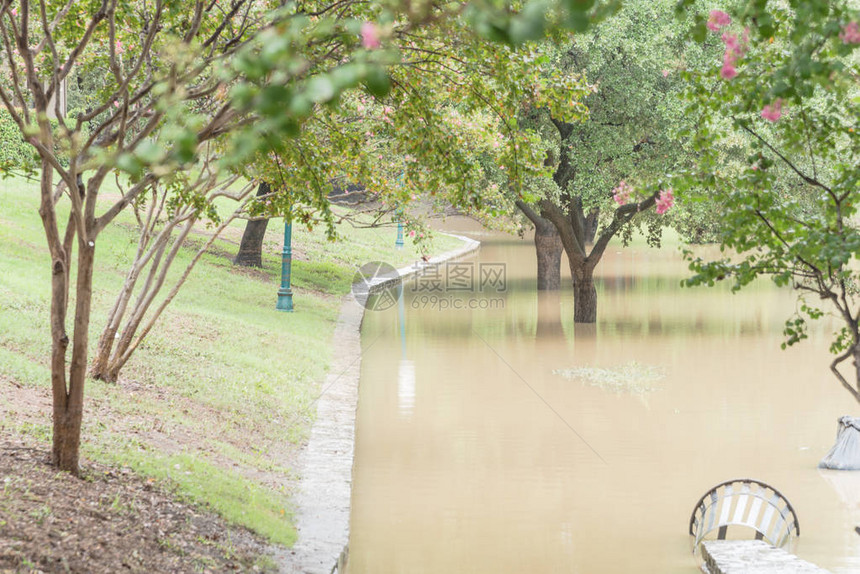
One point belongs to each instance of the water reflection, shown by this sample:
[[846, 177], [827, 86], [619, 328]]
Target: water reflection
[[477, 470], [549, 322], [406, 369]]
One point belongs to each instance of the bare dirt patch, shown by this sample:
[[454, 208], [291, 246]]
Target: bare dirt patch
[[109, 520]]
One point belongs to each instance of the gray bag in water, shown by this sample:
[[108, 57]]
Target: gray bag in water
[[845, 454]]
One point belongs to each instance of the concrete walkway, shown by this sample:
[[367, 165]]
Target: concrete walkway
[[323, 501]]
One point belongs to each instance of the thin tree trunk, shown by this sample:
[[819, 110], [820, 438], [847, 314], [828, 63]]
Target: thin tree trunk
[[857, 368], [120, 340], [67, 385], [144, 299], [251, 248], [148, 251], [67, 420]]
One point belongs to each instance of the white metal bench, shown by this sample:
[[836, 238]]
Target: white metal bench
[[746, 503]]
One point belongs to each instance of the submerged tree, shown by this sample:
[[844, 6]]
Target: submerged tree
[[630, 131]]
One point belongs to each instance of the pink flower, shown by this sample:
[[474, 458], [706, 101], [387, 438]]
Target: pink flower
[[412, 234], [718, 19], [728, 71], [772, 112], [734, 50], [665, 200], [621, 193], [369, 35], [731, 41], [850, 33], [118, 48], [665, 73], [734, 47]]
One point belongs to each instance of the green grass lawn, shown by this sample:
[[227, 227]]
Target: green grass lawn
[[220, 396]]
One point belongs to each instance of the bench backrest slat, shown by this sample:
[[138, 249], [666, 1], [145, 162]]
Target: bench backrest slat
[[748, 503]]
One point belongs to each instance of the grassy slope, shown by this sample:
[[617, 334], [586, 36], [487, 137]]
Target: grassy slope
[[220, 395]]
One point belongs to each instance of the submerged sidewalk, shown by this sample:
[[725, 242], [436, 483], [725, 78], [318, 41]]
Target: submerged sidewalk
[[323, 500]]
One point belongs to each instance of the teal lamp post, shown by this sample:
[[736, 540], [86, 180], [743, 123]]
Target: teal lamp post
[[285, 293], [398, 243]]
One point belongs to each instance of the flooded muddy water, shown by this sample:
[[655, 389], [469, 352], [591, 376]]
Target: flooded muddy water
[[493, 436]]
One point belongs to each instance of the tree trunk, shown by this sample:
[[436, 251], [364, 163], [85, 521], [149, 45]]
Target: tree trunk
[[548, 248], [590, 225], [67, 440], [584, 293], [67, 417], [67, 381], [251, 248]]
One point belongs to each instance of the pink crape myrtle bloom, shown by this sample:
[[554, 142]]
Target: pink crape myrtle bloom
[[621, 193], [370, 35], [665, 200], [772, 112], [718, 19], [734, 49], [850, 33], [728, 71]]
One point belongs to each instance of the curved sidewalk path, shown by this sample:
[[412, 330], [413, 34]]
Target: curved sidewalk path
[[325, 466]]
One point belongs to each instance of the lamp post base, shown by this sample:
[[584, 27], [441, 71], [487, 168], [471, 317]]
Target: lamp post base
[[285, 300]]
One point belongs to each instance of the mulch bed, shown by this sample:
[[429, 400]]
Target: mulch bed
[[108, 520]]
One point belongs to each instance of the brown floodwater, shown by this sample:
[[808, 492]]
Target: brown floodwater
[[474, 455]]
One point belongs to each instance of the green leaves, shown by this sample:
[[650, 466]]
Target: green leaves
[[786, 182], [320, 89], [377, 81], [529, 21]]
